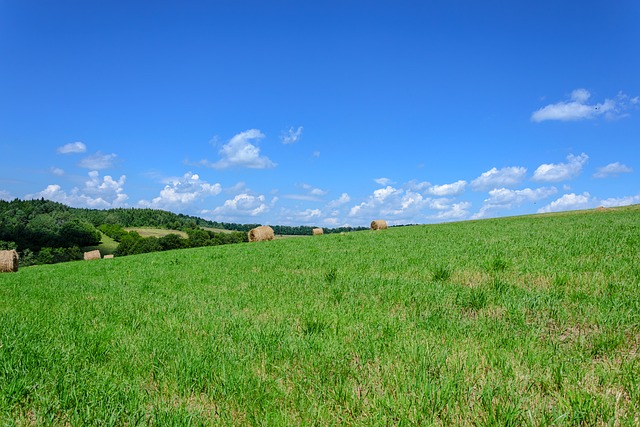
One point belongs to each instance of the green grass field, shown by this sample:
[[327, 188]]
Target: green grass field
[[514, 321]]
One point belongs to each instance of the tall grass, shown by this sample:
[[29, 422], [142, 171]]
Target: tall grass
[[515, 321]]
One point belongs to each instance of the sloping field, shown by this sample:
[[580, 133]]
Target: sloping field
[[156, 232], [515, 321]]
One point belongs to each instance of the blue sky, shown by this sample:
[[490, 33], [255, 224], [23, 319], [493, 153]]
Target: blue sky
[[322, 113]]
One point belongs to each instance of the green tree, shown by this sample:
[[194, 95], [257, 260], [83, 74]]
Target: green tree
[[78, 233], [171, 241], [198, 237]]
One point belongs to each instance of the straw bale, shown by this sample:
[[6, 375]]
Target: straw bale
[[8, 261], [317, 231], [379, 224], [258, 234], [108, 256], [92, 255]]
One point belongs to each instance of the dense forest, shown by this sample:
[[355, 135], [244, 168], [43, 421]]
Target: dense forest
[[46, 232]]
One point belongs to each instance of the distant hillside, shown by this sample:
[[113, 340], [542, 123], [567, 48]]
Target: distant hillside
[[46, 232], [64, 232]]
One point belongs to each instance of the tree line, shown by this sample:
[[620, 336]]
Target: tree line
[[45, 232]]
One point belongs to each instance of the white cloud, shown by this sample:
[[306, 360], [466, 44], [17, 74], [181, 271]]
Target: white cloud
[[580, 95], [418, 186], [57, 171], [453, 189], [182, 191], [390, 202], [496, 178], [456, 211], [578, 108], [240, 152], [107, 188], [97, 193], [382, 194], [309, 215], [621, 201], [331, 222], [72, 147], [340, 201], [5, 195], [97, 161], [574, 109], [570, 201], [292, 136], [313, 191], [242, 205], [508, 198], [612, 169], [383, 181], [311, 194], [561, 171], [502, 198]]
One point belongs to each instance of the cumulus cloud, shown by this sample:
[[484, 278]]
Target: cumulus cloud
[[453, 189], [242, 205], [57, 171], [612, 169], [375, 201], [497, 178], [570, 201], [72, 147], [383, 181], [309, 215], [453, 212], [183, 191], [97, 193], [390, 202], [418, 186], [106, 188], [621, 201], [340, 201], [240, 152], [503, 198], [561, 171], [97, 161], [577, 107], [291, 136]]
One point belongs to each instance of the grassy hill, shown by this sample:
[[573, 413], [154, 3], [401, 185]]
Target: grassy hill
[[516, 321]]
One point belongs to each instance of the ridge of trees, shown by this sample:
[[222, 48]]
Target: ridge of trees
[[44, 231]]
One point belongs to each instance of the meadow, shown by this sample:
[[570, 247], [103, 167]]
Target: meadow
[[156, 232], [529, 320]]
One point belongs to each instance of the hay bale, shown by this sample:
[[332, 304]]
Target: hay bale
[[379, 224], [107, 257], [317, 231], [8, 261], [92, 255], [264, 232]]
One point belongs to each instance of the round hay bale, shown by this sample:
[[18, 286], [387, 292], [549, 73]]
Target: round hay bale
[[264, 232], [92, 255], [8, 261], [379, 224], [317, 231]]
